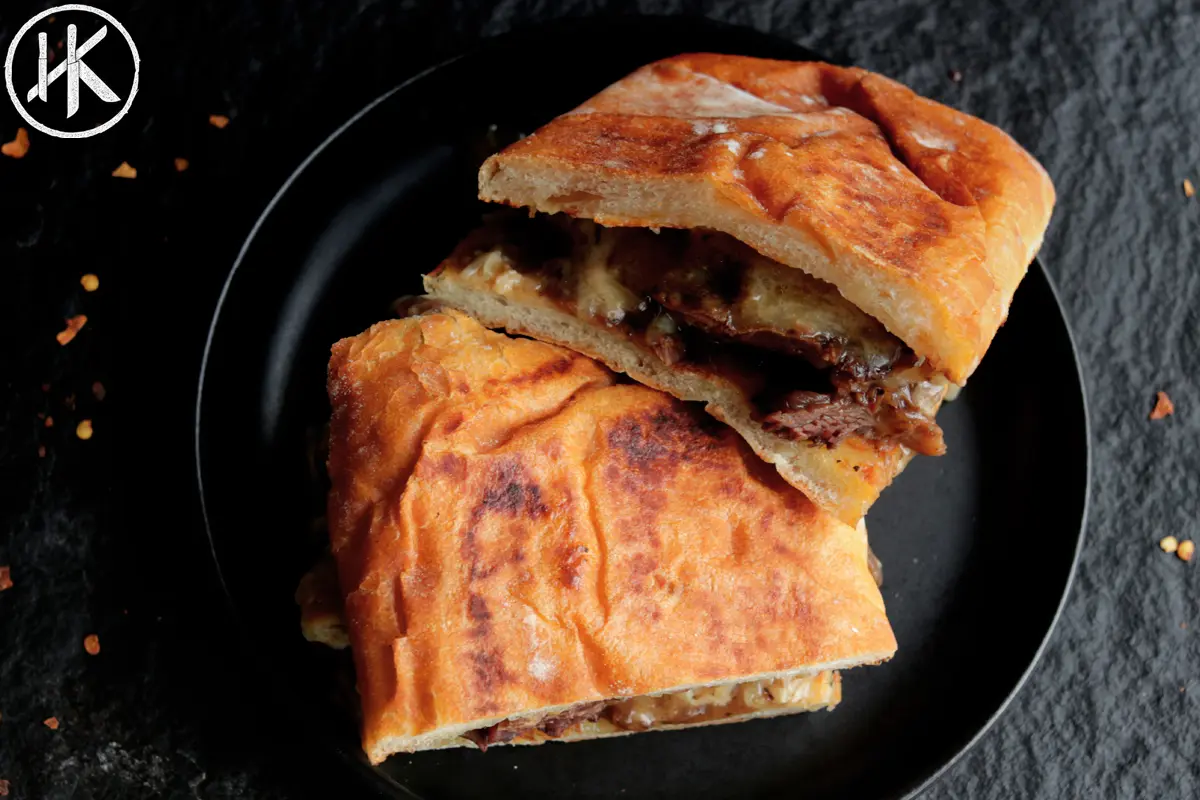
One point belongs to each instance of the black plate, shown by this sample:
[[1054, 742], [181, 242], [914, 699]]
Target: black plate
[[979, 546]]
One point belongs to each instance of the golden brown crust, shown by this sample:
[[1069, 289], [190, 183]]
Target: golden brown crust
[[515, 532], [924, 217]]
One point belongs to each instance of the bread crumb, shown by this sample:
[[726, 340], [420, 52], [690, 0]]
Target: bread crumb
[[125, 171], [91, 643], [84, 429], [18, 147], [51, 723], [74, 325], [1186, 548], [89, 282], [1163, 407], [956, 76], [5, 579], [98, 390], [181, 164], [218, 120], [1169, 544], [1188, 189]]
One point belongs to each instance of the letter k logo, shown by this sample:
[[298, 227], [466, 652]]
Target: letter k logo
[[76, 71]]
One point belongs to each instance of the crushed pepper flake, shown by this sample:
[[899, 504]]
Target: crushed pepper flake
[[51, 723], [91, 643], [98, 390], [5, 579], [74, 325], [89, 282], [4, 787], [41, 451], [181, 164], [49, 422], [1188, 189], [18, 147], [84, 429], [125, 171], [218, 121], [1163, 407], [1187, 549]]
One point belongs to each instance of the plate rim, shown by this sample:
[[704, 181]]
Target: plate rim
[[541, 29]]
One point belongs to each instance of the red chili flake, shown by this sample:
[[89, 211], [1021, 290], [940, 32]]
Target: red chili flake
[[49, 422], [1163, 407], [51, 723], [181, 164], [5, 579], [218, 120], [74, 325], [4, 786], [41, 451], [18, 147], [91, 643], [98, 390]]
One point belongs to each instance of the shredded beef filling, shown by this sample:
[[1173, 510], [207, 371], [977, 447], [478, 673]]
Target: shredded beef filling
[[553, 725], [677, 293]]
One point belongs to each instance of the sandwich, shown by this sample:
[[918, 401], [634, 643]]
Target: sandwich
[[816, 253], [530, 550]]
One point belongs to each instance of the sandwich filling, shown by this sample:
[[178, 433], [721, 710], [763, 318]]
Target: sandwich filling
[[692, 706], [815, 367]]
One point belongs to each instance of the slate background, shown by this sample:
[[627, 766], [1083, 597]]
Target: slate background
[[1106, 94]]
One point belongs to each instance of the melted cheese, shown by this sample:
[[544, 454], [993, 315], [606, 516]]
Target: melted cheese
[[600, 293], [715, 702]]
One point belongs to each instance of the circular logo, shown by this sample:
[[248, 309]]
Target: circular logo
[[54, 78]]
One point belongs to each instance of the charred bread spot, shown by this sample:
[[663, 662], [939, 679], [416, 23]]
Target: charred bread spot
[[571, 560], [657, 439], [550, 369], [640, 567], [450, 465], [510, 490], [477, 609], [490, 674]]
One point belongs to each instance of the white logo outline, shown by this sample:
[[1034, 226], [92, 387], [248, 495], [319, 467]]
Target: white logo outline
[[39, 89]]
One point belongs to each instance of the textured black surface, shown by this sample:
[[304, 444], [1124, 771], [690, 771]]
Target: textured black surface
[[1104, 93]]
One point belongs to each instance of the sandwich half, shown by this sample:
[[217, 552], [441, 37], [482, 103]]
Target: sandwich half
[[817, 253], [531, 551]]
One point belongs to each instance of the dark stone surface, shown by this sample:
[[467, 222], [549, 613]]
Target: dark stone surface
[[1106, 94]]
